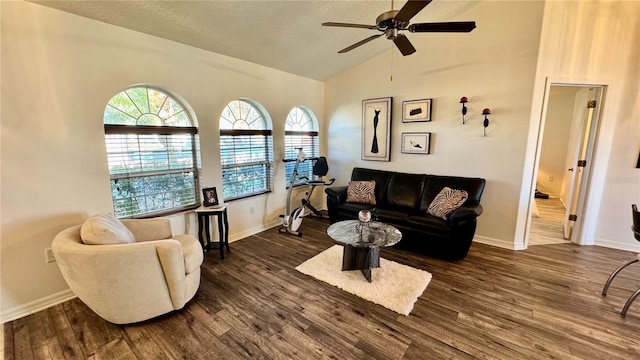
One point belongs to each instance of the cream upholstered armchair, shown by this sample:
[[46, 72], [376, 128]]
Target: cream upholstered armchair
[[130, 270]]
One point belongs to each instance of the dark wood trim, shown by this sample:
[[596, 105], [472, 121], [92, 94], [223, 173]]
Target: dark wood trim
[[247, 196], [312, 158], [245, 132], [308, 133], [141, 129], [166, 213]]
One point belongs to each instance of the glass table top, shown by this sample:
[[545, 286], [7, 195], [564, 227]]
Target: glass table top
[[373, 234]]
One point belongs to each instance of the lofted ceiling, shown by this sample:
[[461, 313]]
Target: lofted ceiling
[[284, 35]]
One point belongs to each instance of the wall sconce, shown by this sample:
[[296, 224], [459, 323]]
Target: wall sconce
[[463, 101], [485, 112]]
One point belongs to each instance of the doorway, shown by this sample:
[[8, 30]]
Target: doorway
[[565, 156]]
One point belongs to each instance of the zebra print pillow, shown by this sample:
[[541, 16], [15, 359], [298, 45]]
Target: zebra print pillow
[[361, 192], [446, 202]]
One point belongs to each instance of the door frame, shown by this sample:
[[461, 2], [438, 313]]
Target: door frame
[[592, 193]]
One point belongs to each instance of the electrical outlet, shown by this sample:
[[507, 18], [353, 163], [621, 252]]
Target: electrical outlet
[[48, 255], [252, 210]]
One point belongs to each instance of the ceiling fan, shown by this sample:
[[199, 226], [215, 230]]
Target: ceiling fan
[[391, 22]]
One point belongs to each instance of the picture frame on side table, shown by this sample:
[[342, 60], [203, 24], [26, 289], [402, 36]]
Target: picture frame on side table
[[416, 143], [416, 110], [210, 197], [376, 129]]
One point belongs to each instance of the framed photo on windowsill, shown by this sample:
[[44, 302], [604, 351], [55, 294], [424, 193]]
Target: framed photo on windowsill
[[416, 110], [210, 197]]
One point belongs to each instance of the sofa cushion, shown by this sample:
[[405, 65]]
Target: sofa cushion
[[446, 202], [435, 183], [405, 190], [381, 178], [105, 229], [428, 222], [362, 192], [350, 210], [392, 214]]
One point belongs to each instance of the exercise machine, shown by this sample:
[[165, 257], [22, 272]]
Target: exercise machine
[[291, 220], [320, 169]]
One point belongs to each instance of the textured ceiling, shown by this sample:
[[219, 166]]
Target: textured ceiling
[[284, 35]]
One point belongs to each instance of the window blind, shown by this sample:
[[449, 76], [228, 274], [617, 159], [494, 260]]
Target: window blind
[[308, 141], [247, 162], [152, 169]]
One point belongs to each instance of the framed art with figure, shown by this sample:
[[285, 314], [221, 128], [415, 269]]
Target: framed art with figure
[[376, 129], [209, 197]]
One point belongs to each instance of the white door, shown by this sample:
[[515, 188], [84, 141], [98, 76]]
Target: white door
[[581, 160]]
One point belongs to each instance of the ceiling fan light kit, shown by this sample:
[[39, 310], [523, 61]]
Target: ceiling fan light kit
[[389, 23]]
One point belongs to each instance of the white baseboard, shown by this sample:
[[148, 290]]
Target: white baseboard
[[495, 242], [254, 230], [599, 242], [618, 245], [36, 305]]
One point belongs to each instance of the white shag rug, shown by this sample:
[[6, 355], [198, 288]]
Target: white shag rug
[[394, 286]]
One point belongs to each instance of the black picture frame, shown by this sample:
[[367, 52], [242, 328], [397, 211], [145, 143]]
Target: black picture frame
[[210, 196], [416, 143], [416, 110], [376, 129]]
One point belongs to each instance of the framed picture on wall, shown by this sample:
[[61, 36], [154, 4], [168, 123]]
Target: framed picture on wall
[[416, 142], [416, 110], [210, 196], [376, 129]]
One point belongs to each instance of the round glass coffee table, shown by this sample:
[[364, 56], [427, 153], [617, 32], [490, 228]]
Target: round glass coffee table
[[362, 244]]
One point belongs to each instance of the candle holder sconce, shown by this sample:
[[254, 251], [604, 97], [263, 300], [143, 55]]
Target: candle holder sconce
[[485, 112], [463, 101]]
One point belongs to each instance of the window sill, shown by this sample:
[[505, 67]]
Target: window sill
[[247, 196], [165, 213]]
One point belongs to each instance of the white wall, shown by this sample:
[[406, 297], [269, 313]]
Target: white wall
[[494, 66], [596, 42], [58, 73]]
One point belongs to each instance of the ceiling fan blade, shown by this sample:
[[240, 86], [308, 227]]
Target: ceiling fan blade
[[410, 9], [460, 26], [360, 26], [404, 45], [362, 42]]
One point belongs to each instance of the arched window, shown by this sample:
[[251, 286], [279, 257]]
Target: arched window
[[246, 150], [151, 153], [301, 131]]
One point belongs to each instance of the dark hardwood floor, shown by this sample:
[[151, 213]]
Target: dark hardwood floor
[[544, 302]]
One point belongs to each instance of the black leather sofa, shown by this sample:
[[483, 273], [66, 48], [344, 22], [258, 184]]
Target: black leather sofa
[[402, 200]]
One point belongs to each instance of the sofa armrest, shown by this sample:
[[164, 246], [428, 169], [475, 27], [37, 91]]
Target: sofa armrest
[[465, 212], [149, 229], [173, 266], [337, 193]]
